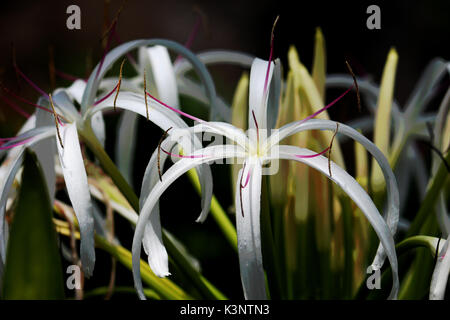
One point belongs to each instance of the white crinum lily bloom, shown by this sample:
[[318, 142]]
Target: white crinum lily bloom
[[256, 149], [41, 137], [89, 123]]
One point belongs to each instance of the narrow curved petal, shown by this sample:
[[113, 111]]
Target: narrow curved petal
[[179, 168], [257, 99], [393, 198], [78, 189], [164, 119], [97, 75], [46, 151], [423, 91], [273, 104], [76, 90], [64, 104], [126, 144], [440, 141], [249, 232], [441, 273], [358, 195], [159, 69], [152, 240], [98, 126], [216, 57]]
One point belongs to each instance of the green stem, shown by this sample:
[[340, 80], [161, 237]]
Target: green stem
[[218, 213], [433, 191], [101, 291], [415, 242], [108, 165], [164, 287]]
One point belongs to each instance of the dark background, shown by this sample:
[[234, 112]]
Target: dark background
[[419, 30]]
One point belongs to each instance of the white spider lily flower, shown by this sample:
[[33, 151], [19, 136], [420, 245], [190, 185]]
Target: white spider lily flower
[[68, 148], [256, 149], [90, 118]]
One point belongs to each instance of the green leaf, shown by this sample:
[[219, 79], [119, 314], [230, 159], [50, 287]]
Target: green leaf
[[33, 266]]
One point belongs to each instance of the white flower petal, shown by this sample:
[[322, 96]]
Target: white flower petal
[[63, 104], [126, 143], [98, 126], [179, 168], [423, 91], [159, 115], [97, 75], [216, 57], [76, 90], [441, 273], [46, 151], [78, 189], [358, 195], [249, 231], [257, 99], [443, 216], [160, 71]]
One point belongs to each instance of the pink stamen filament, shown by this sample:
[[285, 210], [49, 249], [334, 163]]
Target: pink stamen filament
[[15, 107], [15, 144], [107, 96], [247, 179], [313, 155], [176, 110], [31, 83], [270, 56], [7, 139], [257, 128], [108, 43], [191, 37], [119, 41], [183, 156], [15, 95], [67, 76], [327, 106], [243, 186]]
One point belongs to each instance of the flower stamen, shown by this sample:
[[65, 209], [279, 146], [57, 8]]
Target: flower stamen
[[257, 131], [159, 152], [313, 155], [271, 53], [240, 190], [56, 120], [355, 83], [119, 83], [329, 148], [145, 95], [176, 110]]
